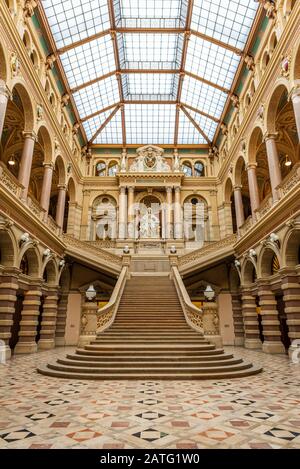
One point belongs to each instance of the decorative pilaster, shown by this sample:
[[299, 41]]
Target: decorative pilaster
[[122, 213], [177, 215], [249, 312], [169, 228], [85, 215], [26, 161], [4, 97], [253, 188], [238, 203], [291, 296], [273, 163], [270, 321], [29, 321], [131, 231], [8, 296], [238, 322], [61, 202], [47, 333], [46, 188], [61, 319]]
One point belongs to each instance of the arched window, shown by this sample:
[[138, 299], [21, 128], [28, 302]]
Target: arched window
[[187, 168], [100, 168], [199, 169], [112, 168]]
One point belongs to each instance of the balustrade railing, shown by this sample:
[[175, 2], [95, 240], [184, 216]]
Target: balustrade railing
[[198, 254]]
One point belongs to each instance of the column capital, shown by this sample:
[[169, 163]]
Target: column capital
[[49, 165], [86, 192], [251, 166], [295, 92], [30, 135], [270, 136], [177, 189], [4, 91], [62, 187], [122, 190], [131, 189], [169, 189], [237, 187]]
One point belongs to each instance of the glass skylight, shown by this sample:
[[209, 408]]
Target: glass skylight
[[149, 51], [202, 96], [151, 13], [97, 96], [187, 132], [211, 62], [150, 123], [142, 40], [89, 61], [112, 132], [229, 21], [74, 20]]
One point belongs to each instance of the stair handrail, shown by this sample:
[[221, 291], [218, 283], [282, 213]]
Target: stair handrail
[[193, 315], [106, 315]]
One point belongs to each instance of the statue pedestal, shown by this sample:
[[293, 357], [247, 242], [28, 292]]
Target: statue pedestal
[[211, 324], [88, 323]]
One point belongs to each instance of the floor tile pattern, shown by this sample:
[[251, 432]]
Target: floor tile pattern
[[259, 412]]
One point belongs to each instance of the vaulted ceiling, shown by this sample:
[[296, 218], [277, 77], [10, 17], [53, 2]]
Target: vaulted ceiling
[[150, 71]]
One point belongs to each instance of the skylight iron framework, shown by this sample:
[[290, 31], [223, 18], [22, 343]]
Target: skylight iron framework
[[165, 59]]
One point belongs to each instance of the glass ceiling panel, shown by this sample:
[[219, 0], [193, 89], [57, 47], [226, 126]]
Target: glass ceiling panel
[[97, 96], [150, 51], [74, 20], [229, 21], [89, 61], [156, 86], [151, 13], [112, 132], [207, 125], [211, 62], [203, 97], [92, 125], [187, 132], [150, 123]]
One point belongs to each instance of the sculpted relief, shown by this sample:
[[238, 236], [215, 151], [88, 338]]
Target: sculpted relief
[[150, 159]]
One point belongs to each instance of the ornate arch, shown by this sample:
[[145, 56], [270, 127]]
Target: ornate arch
[[8, 247], [291, 247], [265, 258], [248, 268], [273, 103], [50, 267], [28, 105], [33, 257]]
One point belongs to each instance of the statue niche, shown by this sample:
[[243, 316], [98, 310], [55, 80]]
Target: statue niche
[[150, 159]]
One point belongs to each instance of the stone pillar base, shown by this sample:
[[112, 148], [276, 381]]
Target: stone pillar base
[[26, 347], [253, 343], [215, 339], [5, 353], [273, 347], [85, 340], [46, 344], [294, 352], [60, 341], [239, 341]]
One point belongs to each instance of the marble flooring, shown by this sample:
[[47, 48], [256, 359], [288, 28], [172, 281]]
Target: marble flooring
[[257, 412]]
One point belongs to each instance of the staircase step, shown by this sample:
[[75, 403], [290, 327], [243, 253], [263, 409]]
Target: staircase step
[[148, 357], [147, 363]]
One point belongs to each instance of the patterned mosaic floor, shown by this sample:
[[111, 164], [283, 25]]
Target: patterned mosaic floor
[[257, 412]]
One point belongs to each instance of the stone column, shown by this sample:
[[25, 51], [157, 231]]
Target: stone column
[[252, 339], [270, 321], [213, 221], [46, 188], [131, 220], [61, 319], [169, 201], [177, 215], [238, 203], [4, 96], [47, 334], [29, 321], [273, 163], [122, 213], [295, 97], [253, 188], [85, 215], [238, 322], [8, 297], [291, 295], [26, 161], [61, 202]]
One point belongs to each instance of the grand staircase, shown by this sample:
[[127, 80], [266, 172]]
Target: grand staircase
[[149, 339]]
